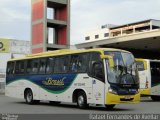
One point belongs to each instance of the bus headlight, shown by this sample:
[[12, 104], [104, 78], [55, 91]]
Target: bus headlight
[[110, 90]]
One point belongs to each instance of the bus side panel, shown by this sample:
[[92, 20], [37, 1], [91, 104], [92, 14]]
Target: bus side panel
[[95, 95], [98, 92], [79, 83], [11, 90], [16, 89], [24, 84], [94, 91], [45, 95], [143, 76]]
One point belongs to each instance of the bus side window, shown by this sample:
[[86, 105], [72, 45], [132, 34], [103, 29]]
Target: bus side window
[[29, 66], [79, 63], [10, 67], [61, 64], [20, 67], [83, 62], [74, 63], [49, 65], [42, 66], [35, 65], [96, 66]]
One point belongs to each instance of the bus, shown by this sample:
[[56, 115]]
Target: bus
[[101, 76], [149, 74]]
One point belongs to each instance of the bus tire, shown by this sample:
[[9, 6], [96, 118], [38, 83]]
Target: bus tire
[[109, 107], [29, 97], [155, 98], [82, 100]]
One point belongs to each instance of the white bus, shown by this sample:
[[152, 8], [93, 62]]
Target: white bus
[[96, 76], [149, 74]]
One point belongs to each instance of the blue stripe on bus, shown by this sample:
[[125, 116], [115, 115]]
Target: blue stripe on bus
[[56, 83]]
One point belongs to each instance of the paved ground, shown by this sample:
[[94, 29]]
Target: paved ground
[[18, 106]]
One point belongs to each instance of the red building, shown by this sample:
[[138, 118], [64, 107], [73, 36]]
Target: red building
[[41, 25]]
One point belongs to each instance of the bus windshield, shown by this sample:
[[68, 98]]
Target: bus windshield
[[124, 70]]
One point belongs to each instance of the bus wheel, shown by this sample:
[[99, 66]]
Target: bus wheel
[[29, 98], [110, 107], [82, 100], [155, 98]]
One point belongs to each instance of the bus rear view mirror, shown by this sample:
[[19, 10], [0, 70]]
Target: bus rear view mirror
[[109, 58]]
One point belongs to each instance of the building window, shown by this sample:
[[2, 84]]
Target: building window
[[87, 38], [106, 34], [96, 36]]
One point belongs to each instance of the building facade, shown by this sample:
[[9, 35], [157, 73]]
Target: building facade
[[10, 49], [99, 34], [111, 31], [141, 38]]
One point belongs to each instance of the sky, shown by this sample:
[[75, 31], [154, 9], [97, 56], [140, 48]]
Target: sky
[[86, 15]]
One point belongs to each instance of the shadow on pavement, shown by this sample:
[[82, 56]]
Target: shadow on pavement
[[74, 106], [147, 99]]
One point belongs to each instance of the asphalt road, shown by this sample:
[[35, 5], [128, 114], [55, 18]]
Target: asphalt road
[[18, 106]]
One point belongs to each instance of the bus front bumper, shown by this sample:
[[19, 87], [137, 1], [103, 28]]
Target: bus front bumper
[[122, 99], [145, 91]]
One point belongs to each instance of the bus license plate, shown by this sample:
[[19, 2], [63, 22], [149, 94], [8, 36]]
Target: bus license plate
[[127, 97]]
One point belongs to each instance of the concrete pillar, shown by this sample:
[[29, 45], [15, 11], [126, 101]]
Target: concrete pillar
[[151, 27], [134, 30], [40, 24], [121, 31]]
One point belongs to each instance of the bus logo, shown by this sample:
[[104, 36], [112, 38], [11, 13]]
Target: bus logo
[[51, 82]]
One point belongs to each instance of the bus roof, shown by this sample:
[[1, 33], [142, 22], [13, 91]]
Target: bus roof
[[67, 52]]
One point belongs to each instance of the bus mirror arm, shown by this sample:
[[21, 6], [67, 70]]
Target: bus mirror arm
[[109, 58]]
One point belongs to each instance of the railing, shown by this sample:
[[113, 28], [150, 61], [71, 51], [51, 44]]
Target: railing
[[112, 34]]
